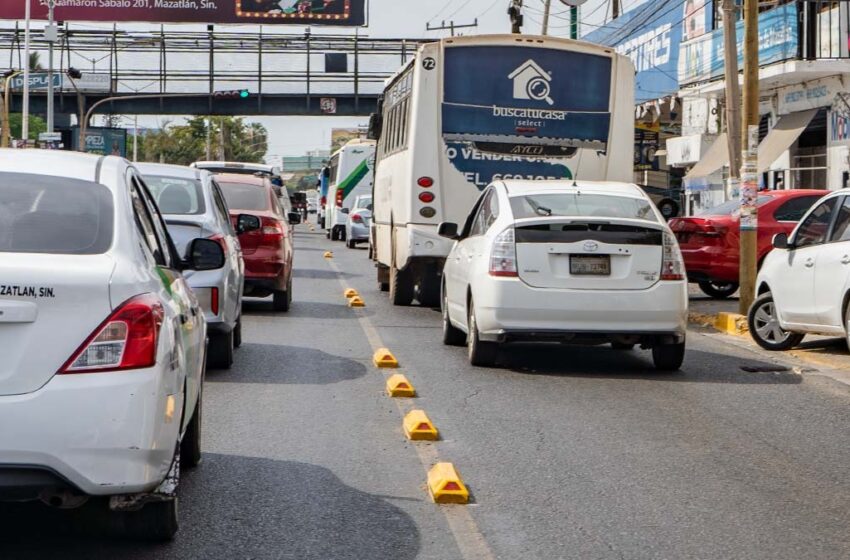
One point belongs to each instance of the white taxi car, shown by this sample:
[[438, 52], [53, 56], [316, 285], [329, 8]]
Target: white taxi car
[[561, 261], [103, 342]]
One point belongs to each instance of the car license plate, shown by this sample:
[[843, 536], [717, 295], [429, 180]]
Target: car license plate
[[587, 265]]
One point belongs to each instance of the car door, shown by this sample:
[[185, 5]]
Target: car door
[[235, 265], [793, 286], [471, 247], [832, 268], [456, 263]]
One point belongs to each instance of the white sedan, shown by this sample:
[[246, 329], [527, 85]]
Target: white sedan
[[558, 261], [103, 342], [803, 285]]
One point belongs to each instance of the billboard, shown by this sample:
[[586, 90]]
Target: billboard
[[102, 141], [304, 12]]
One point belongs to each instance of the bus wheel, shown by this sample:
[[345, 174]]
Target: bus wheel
[[401, 286], [428, 289]]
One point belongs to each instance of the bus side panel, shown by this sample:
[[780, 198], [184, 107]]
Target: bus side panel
[[620, 161]]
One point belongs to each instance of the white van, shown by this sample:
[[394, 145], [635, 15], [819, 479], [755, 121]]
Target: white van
[[351, 174]]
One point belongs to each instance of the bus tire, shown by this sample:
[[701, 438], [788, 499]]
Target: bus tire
[[428, 289], [401, 286]]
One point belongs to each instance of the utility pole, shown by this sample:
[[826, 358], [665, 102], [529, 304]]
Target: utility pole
[[546, 8], [51, 34], [573, 21], [749, 170], [615, 9], [135, 138], [208, 151], [515, 12], [451, 26], [221, 153], [733, 97], [25, 124]]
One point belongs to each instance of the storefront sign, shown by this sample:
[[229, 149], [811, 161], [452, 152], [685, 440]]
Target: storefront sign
[[839, 128], [311, 12], [810, 95], [702, 59]]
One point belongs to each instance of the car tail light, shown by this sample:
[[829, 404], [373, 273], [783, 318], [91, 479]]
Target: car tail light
[[273, 231], [672, 265], [357, 218], [214, 300], [219, 238], [324, 201], [339, 198], [426, 197], [425, 182], [503, 255], [127, 339]]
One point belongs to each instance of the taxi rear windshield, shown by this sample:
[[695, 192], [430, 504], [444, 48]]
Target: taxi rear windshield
[[579, 204], [43, 214]]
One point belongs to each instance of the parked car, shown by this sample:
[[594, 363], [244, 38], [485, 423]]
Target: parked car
[[359, 221], [804, 283], [103, 341], [193, 205], [265, 235], [710, 241], [271, 172], [585, 262]]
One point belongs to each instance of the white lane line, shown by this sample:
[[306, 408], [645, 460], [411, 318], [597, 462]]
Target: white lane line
[[468, 536]]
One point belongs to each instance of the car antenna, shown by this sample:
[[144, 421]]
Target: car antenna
[[575, 175]]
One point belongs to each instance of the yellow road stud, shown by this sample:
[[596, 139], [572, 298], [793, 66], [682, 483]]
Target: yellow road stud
[[356, 301], [417, 426], [383, 358], [446, 486], [329, 255], [399, 386], [350, 293]]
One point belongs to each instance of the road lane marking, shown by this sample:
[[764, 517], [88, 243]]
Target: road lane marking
[[467, 535]]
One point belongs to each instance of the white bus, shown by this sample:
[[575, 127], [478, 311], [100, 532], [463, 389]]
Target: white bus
[[351, 174], [470, 110]]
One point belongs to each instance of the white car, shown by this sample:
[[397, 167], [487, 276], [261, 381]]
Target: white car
[[102, 340], [803, 285], [558, 261]]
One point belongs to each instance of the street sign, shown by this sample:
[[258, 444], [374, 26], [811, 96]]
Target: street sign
[[328, 105], [90, 82], [38, 81], [50, 137]]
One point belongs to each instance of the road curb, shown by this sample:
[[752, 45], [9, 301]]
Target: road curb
[[728, 323]]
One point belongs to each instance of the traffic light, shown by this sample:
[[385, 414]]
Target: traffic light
[[232, 94]]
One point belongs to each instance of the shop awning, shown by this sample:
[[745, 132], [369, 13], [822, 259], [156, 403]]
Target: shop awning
[[782, 135], [715, 157]]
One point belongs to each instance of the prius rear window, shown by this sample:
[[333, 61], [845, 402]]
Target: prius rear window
[[580, 204], [45, 214]]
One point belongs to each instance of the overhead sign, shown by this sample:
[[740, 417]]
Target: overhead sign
[[309, 12], [90, 82], [702, 59], [37, 81]]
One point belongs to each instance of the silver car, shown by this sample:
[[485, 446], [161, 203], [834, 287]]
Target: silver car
[[193, 206], [359, 220]]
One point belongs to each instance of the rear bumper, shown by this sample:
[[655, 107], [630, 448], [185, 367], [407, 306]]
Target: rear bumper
[[261, 287], [508, 309], [710, 264], [358, 232], [102, 434]]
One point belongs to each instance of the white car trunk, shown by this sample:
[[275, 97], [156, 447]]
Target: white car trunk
[[585, 254], [45, 315]]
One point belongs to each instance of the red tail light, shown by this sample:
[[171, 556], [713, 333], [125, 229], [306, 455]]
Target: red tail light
[[426, 197], [127, 339], [214, 300], [357, 218], [503, 255], [339, 197], [273, 231], [425, 182], [324, 201]]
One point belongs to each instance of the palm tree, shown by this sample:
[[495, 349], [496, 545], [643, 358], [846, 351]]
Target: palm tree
[[35, 62]]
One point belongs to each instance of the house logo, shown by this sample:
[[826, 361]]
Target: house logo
[[532, 82]]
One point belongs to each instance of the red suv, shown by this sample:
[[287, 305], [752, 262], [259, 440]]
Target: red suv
[[265, 234], [710, 240]]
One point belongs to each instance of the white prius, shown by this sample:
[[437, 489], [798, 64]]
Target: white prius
[[562, 261], [103, 342]]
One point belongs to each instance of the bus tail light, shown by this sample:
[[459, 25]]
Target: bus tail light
[[425, 182], [339, 197], [503, 255], [127, 339], [426, 197]]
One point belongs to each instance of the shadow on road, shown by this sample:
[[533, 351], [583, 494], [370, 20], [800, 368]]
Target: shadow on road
[[603, 361], [302, 309], [288, 365], [231, 507], [318, 274]]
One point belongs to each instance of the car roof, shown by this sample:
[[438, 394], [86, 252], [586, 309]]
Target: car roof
[[57, 163], [520, 187], [234, 165], [791, 192], [180, 171], [239, 178]]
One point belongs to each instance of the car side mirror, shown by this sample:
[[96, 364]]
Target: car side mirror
[[204, 254], [246, 223], [376, 123], [294, 218], [780, 241], [448, 230], [369, 207], [345, 211]]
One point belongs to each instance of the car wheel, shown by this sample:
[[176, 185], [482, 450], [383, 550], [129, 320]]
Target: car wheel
[[220, 351], [156, 521], [350, 243], [428, 290], [452, 336], [482, 354], [718, 290], [342, 234], [668, 208], [190, 446], [401, 286], [763, 321], [237, 333], [668, 357], [622, 346]]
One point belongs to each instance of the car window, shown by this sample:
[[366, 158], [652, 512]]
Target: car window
[[363, 202], [245, 196], [145, 224], [221, 208], [793, 210], [813, 230], [470, 219], [841, 230], [482, 219], [582, 204], [43, 214], [176, 195], [159, 226]]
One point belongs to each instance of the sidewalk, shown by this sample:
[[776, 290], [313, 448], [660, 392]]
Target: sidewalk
[[824, 352]]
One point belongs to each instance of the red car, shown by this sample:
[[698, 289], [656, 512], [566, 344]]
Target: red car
[[710, 240], [265, 234]]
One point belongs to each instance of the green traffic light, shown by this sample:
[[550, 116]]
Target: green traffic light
[[244, 93]]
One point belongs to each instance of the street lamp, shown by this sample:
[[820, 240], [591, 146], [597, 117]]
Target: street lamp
[[7, 134]]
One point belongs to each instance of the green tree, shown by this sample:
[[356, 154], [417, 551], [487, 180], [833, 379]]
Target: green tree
[[35, 62], [230, 138], [37, 125]]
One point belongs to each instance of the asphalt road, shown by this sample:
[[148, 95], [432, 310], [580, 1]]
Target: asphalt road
[[573, 453]]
